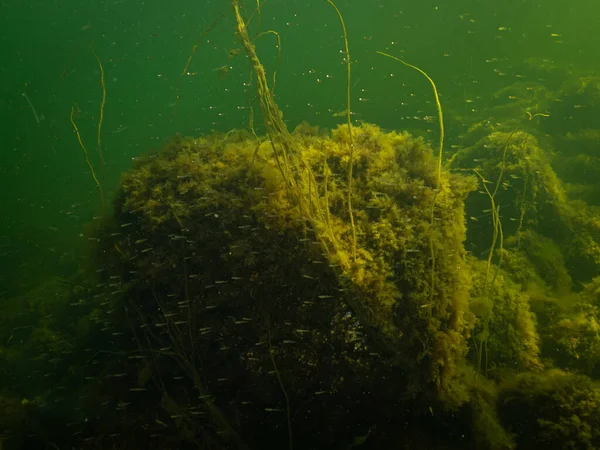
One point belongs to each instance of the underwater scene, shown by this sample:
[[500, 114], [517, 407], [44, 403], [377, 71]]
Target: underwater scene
[[274, 224]]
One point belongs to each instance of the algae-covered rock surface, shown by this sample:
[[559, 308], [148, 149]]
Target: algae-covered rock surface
[[213, 259]]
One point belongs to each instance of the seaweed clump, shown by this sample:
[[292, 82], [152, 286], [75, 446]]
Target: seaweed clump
[[553, 409], [538, 216], [505, 333], [574, 332], [206, 236]]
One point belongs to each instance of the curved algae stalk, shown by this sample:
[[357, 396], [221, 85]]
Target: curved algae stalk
[[498, 235], [278, 54], [101, 119], [287, 154], [87, 159], [37, 119], [191, 55], [439, 166], [271, 113], [349, 122], [439, 109]]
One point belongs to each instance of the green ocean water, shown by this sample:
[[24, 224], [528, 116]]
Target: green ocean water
[[472, 49], [49, 192]]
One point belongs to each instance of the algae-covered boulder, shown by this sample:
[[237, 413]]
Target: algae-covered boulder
[[573, 335], [505, 334], [528, 195], [215, 259], [517, 172], [572, 122], [552, 409]]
